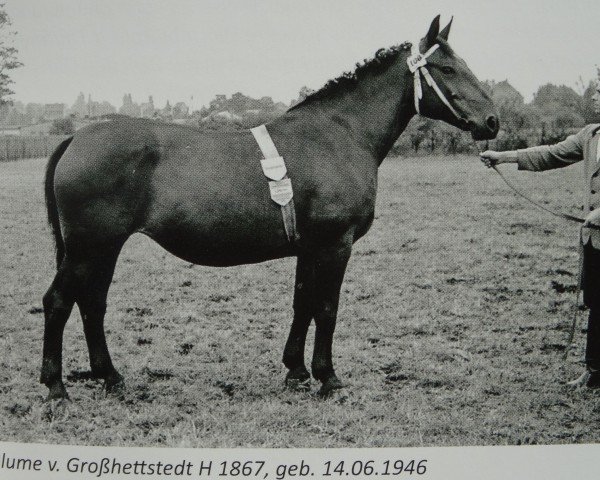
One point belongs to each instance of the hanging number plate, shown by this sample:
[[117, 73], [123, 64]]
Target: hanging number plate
[[273, 168], [281, 191], [416, 61]]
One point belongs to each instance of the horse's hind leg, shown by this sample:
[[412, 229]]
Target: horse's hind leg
[[95, 275], [293, 355], [83, 279], [58, 303]]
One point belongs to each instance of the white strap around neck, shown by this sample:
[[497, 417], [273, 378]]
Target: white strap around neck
[[265, 143]]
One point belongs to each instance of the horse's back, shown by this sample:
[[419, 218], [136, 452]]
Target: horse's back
[[201, 196]]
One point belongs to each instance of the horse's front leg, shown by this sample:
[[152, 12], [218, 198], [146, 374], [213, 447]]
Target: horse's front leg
[[330, 266], [293, 356]]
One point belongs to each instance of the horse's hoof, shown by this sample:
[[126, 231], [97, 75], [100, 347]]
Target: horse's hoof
[[329, 386], [115, 386], [298, 380], [298, 385], [57, 392]]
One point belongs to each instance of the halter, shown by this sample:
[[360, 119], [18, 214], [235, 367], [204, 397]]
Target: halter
[[416, 64]]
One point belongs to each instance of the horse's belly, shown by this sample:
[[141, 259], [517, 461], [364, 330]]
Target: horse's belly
[[223, 242], [216, 257]]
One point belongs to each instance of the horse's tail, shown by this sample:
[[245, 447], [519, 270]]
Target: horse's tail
[[51, 208]]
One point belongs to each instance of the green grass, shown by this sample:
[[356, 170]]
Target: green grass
[[450, 328]]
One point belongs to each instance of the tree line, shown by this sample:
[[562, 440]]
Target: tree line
[[553, 114]]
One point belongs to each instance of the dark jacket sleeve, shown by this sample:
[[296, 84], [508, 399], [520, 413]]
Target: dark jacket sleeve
[[562, 154]]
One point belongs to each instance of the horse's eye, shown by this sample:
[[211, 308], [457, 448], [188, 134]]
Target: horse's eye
[[448, 70]]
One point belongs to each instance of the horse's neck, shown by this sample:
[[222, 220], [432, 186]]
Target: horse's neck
[[378, 109]]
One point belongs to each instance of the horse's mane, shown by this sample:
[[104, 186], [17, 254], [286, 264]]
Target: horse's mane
[[383, 59]]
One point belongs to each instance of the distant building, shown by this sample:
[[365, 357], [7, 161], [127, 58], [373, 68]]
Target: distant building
[[130, 108], [240, 108], [79, 108], [147, 109], [91, 106], [90, 109], [105, 108], [167, 111], [34, 112]]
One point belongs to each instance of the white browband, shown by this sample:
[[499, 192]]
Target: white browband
[[416, 64]]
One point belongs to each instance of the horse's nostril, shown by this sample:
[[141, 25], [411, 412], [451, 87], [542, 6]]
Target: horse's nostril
[[492, 123]]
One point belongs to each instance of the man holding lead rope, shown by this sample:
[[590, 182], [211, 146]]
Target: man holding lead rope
[[584, 145]]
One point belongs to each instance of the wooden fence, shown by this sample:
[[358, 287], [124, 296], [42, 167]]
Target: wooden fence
[[16, 147]]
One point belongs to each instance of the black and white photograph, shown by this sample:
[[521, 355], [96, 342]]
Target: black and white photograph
[[299, 225]]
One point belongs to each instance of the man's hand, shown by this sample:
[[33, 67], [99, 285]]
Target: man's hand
[[491, 157]]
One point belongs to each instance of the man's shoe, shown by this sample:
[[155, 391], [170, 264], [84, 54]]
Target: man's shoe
[[593, 380]]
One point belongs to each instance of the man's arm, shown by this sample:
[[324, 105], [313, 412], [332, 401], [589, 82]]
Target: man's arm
[[544, 157]]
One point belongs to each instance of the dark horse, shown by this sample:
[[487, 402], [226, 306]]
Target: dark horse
[[204, 198]]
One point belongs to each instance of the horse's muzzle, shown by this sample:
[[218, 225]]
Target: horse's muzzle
[[486, 131]]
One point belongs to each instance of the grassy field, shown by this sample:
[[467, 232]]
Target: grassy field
[[453, 320]]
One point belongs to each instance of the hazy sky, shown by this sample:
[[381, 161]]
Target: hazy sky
[[178, 48]]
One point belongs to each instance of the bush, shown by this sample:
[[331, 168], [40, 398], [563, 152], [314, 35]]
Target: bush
[[511, 141], [62, 126]]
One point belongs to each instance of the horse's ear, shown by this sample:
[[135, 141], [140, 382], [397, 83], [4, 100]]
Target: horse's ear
[[432, 34], [444, 33]]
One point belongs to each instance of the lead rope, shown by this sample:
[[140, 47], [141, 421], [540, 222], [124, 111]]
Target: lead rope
[[571, 218], [539, 205], [576, 309]]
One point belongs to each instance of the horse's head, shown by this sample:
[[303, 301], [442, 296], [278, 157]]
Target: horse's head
[[450, 91]]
